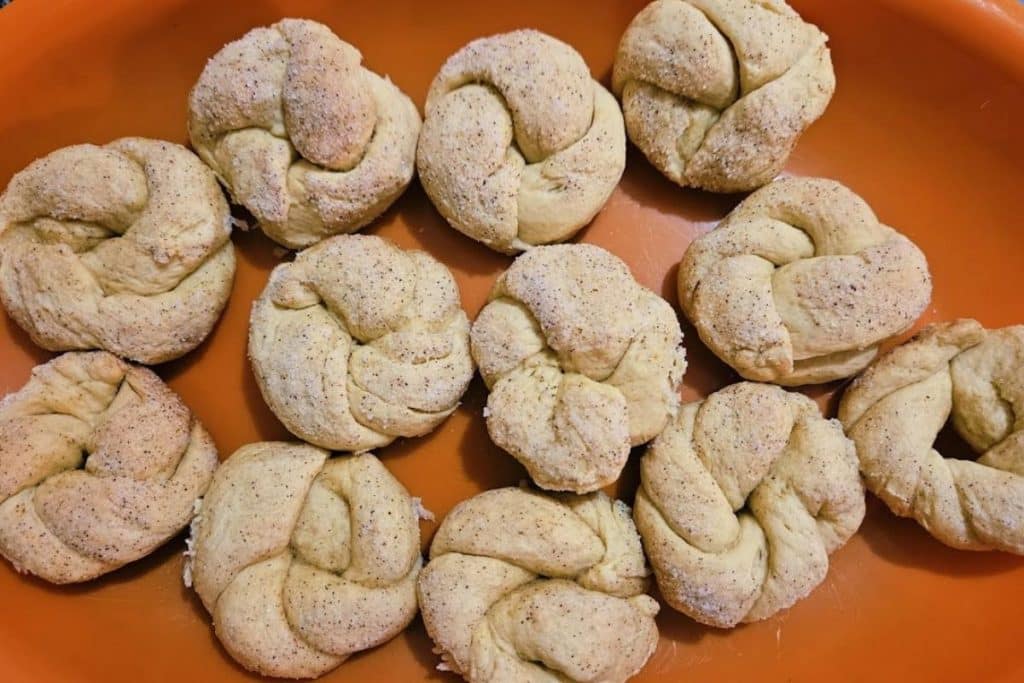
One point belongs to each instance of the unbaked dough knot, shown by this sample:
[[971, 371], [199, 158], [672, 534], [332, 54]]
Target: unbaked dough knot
[[895, 410], [523, 586], [100, 463], [716, 93], [742, 500], [801, 283], [357, 342], [303, 136], [302, 559], [124, 247], [520, 145]]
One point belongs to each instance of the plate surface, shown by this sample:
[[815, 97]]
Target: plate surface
[[926, 124]]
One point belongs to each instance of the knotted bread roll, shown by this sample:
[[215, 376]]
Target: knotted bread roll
[[742, 500], [520, 146], [124, 247], [582, 363], [716, 93], [100, 463], [801, 283], [303, 136], [896, 408], [358, 342], [302, 559], [522, 586]]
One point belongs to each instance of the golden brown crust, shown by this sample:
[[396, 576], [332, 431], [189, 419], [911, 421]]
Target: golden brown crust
[[100, 463], [582, 363], [523, 586], [801, 283], [124, 248], [520, 145], [309, 141], [716, 93], [357, 342], [896, 408], [742, 499], [303, 559]]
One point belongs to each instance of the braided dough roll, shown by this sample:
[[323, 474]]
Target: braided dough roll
[[520, 146], [357, 342], [100, 463], [896, 408], [303, 559], [742, 500], [124, 248], [582, 363], [801, 283], [523, 586], [303, 136], [716, 93]]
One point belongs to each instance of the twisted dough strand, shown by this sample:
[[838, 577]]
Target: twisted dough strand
[[303, 136], [358, 342], [896, 408], [100, 463], [716, 93], [742, 500], [800, 283], [520, 145], [123, 247], [304, 560], [582, 363], [527, 587]]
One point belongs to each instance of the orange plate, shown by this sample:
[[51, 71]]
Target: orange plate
[[926, 124]]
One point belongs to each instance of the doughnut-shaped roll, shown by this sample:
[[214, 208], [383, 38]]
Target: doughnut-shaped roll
[[742, 500], [523, 586], [801, 283], [357, 342], [100, 463], [716, 93], [303, 136], [303, 559], [582, 363], [124, 247], [896, 408], [520, 146]]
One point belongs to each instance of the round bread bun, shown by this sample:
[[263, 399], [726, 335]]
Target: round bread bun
[[100, 464], [582, 363], [520, 146], [309, 141], [303, 559], [357, 342], [124, 248], [523, 586]]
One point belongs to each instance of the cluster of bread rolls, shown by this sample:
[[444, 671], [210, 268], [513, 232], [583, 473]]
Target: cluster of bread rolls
[[307, 552]]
